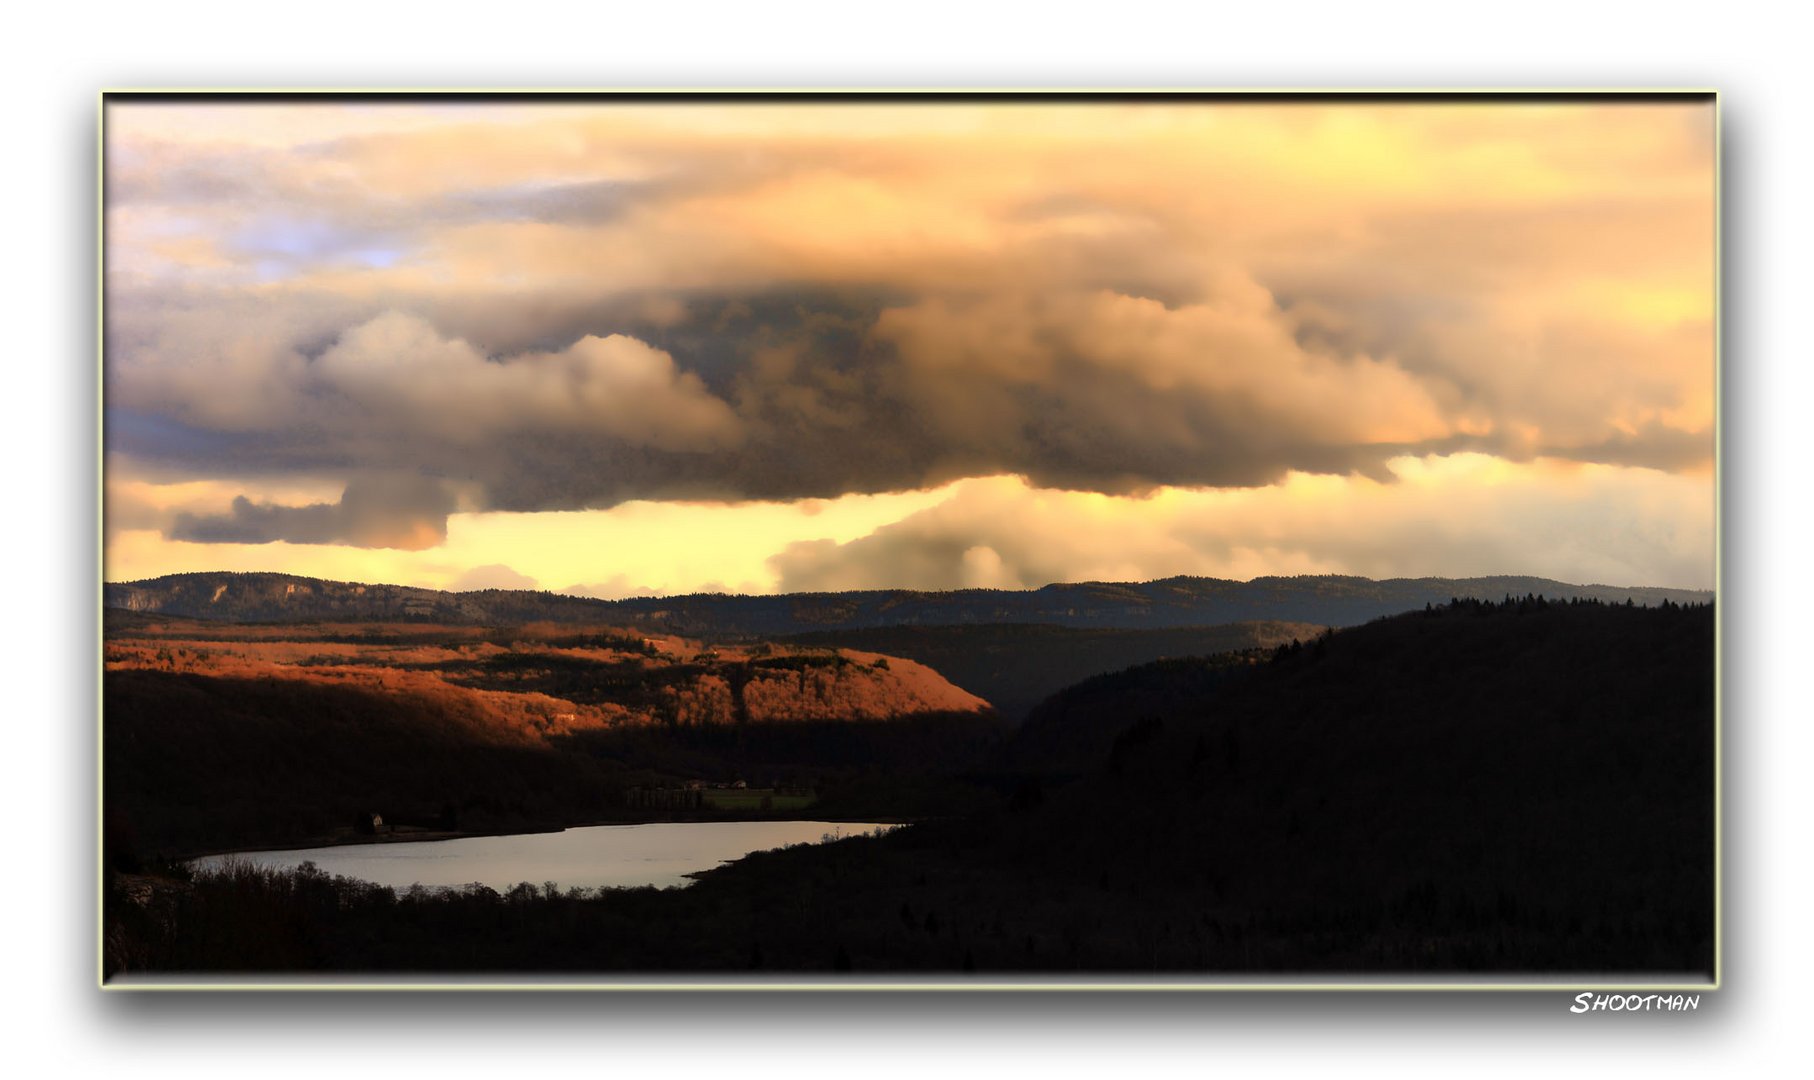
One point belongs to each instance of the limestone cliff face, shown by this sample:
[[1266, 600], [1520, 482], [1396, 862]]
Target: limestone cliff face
[[529, 684], [798, 688], [705, 701], [865, 686]]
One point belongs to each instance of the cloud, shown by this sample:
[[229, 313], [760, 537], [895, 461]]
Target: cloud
[[564, 308], [1456, 516], [398, 370], [1093, 390], [1107, 392], [491, 576], [373, 512], [590, 202], [617, 587]]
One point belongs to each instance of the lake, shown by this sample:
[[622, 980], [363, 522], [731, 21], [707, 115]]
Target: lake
[[659, 854]]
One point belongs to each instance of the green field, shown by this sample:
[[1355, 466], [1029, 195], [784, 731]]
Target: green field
[[755, 799]]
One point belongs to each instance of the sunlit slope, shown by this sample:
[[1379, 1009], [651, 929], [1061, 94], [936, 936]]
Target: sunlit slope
[[220, 734]]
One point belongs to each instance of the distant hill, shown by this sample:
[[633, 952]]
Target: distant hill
[[230, 597], [1074, 730], [1483, 788], [1015, 666], [1177, 602]]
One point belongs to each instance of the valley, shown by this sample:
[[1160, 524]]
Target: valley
[[1403, 796]]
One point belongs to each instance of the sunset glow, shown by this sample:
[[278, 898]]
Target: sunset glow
[[636, 348]]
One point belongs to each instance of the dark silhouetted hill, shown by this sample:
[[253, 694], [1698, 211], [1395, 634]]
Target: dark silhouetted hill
[[1501, 791], [1014, 666]]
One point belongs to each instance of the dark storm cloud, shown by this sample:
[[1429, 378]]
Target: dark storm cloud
[[596, 307], [817, 397], [1655, 446], [387, 512]]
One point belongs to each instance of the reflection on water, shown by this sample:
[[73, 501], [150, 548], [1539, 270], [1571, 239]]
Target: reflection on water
[[660, 854]]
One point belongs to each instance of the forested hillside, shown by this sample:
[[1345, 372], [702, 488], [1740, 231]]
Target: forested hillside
[[1169, 603], [1015, 666], [1519, 788]]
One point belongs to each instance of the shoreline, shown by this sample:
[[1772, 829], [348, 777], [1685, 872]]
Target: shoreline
[[438, 835]]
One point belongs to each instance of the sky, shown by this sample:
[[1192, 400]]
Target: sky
[[625, 348]]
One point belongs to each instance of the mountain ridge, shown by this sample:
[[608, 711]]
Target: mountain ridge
[[1174, 602]]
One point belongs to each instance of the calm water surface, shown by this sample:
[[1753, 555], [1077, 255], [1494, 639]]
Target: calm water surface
[[660, 854]]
